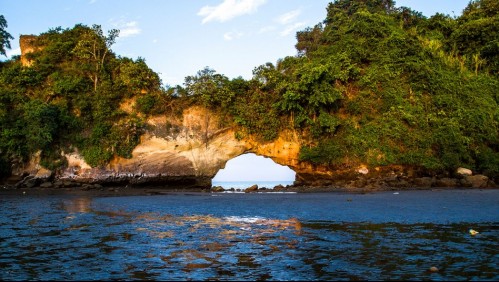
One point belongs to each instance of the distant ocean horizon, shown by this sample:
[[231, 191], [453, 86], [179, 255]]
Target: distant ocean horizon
[[246, 184]]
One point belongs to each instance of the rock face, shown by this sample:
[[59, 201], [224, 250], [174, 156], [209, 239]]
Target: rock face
[[188, 150], [178, 151], [26, 43]]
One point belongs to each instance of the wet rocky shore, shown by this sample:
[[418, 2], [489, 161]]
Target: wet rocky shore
[[105, 191], [359, 182]]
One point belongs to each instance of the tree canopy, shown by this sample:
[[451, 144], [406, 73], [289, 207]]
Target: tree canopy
[[5, 37], [372, 84], [70, 98]]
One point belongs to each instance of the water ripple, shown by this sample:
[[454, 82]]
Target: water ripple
[[180, 238]]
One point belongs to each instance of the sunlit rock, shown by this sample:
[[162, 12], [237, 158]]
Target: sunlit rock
[[464, 171], [43, 173], [363, 170], [477, 181], [253, 188]]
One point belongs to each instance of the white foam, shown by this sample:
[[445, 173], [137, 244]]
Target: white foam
[[244, 219]]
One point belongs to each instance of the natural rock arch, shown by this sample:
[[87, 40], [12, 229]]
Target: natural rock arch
[[190, 148], [185, 150]]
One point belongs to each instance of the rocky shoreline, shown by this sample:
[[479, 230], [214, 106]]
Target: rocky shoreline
[[97, 190], [358, 182]]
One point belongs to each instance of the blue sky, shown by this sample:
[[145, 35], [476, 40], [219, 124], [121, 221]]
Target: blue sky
[[250, 167], [177, 38]]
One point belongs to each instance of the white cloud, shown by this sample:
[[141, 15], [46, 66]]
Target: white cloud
[[289, 20], [288, 17], [291, 28], [130, 29], [127, 29], [229, 9], [266, 29], [228, 36]]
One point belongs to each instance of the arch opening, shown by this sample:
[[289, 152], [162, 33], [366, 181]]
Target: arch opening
[[249, 169]]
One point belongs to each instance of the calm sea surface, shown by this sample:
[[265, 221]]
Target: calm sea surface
[[245, 184], [264, 236]]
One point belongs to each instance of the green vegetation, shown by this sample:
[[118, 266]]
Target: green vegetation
[[5, 37], [70, 98], [373, 84], [413, 90]]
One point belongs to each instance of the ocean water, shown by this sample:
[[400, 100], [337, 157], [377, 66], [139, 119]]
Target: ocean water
[[403, 235], [246, 184]]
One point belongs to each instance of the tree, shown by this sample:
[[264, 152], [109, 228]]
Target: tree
[[5, 37], [42, 122], [309, 39], [477, 34], [211, 88], [94, 47], [137, 76]]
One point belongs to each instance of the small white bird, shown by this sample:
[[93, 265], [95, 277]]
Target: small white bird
[[473, 232]]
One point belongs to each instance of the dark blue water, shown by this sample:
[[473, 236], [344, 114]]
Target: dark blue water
[[203, 236]]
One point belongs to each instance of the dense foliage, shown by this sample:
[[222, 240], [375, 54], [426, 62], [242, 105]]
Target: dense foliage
[[372, 84], [69, 97], [405, 89], [5, 37]]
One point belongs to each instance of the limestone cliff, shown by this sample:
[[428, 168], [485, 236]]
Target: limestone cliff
[[188, 150]]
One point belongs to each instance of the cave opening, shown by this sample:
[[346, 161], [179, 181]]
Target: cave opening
[[249, 169]]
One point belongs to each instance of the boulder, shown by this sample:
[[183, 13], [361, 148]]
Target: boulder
[[29, 182], [424, 182], [279, 187], [464, 171], [87, 187], [465, 183], [253, 188], [68, 184], [477, 181], [360, 183], [217, 189], [401, 183], [447, 182], [46, 184], [363, 170], [43, 173]]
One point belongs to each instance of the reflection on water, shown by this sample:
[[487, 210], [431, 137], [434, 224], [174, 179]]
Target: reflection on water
[[62, 238], [77, 205]]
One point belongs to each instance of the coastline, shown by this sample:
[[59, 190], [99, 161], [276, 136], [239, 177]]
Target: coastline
[[116, 191]]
